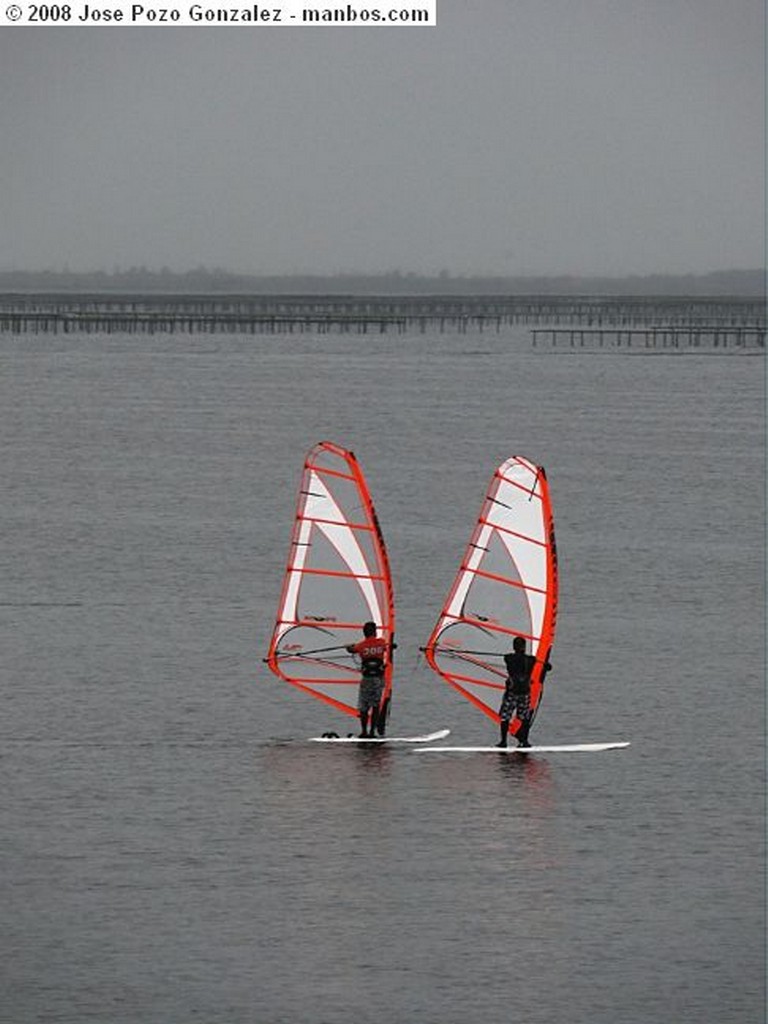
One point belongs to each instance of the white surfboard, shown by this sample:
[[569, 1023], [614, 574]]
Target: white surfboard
[[429, 737], [563, 748]]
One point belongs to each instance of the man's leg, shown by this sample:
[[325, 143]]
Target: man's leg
[[504, 729], [524, 714], [364, 722]]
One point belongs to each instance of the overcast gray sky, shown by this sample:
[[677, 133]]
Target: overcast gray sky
[[519, 136]]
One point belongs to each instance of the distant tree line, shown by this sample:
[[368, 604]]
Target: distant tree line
[[736, 283]]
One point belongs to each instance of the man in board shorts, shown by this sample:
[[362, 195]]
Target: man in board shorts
[[372, 651], [517, 695]]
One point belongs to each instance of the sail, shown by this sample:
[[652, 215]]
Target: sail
[[506, 587], [337, 579]]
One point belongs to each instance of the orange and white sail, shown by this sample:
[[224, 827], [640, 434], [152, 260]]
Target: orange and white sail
[[506, 587], [337, 579]]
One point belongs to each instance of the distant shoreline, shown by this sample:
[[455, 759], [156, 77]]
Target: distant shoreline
[[729, 283]]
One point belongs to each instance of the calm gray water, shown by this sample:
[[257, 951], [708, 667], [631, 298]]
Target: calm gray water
[[173, 852]]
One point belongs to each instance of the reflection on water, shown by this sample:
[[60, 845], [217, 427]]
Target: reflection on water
[[321, 772], [320, 758], [526, 778], [533, 772], [480, 778]]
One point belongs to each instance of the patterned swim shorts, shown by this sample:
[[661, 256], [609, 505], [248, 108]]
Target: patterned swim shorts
[[514, 702], [371, 689]]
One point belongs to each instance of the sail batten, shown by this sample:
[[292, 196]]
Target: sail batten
[[333, 522], [512, 533], [506, 579], [343, 575], [326, 471], [506, 586], [337, 578]]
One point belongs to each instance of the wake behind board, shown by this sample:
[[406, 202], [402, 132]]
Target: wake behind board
[[429, 737], [563, 748]]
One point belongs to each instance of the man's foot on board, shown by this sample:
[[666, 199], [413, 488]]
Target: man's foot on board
[[363, 736], [502, 744], [523, 743]]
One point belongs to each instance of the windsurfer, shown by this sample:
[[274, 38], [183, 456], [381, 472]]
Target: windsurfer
[[372, 651], [517, 695]]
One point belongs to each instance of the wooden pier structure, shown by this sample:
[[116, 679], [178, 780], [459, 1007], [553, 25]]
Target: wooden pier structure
[[575, 320], [653, 337]]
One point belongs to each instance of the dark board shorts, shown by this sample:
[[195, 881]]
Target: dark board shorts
[[371, 689]]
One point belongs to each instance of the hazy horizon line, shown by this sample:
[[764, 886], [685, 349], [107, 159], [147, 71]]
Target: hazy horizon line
[[745, 284], [118, 269]]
